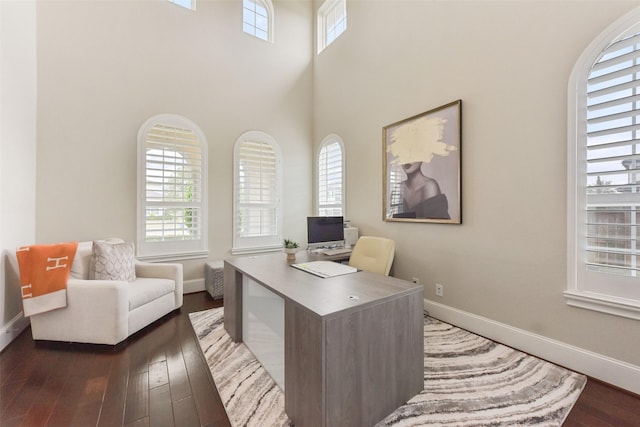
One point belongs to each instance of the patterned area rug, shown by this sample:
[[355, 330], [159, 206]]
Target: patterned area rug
[[469, 381]]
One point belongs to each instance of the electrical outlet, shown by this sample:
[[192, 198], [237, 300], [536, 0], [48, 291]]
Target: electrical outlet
[[415, 280], [439, 290]]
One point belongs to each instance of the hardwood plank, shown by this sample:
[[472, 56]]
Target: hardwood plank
[[67, 405], [94, 389], [142, 422], [604, 405], [84, 385], [12, 361], [26, 395], [204, 393], [42, 406], [8, 393], [137, 404], [158, 374], [178, 377], [14, 422], [112, 413], [86, 415], [185, 413], [139, 353], [160, 407]]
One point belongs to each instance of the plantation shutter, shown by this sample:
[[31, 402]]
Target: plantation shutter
[[330, 180], [173, 184], [257, 199], [612, 159]]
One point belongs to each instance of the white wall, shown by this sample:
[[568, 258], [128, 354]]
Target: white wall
[[17, 153], [509, 62], [105, 67]]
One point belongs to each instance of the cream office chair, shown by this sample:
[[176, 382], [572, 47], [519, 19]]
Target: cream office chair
[[374, 254]]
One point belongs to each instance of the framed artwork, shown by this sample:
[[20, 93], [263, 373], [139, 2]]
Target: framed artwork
[[421, 167]]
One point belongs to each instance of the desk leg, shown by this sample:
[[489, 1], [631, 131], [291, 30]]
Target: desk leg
[[304, 367], [233, 302]]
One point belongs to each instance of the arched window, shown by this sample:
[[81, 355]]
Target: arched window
[[330, 165], [172, 189], [604, 173], [257, 18], [257, 215]]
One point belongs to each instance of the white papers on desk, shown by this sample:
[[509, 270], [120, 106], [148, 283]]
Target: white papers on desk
[[325, 269]]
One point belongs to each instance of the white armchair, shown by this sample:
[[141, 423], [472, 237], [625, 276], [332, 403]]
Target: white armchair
[[108, 311]]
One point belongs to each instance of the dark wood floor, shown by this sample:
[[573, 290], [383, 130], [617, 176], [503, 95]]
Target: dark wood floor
[[159, 377]]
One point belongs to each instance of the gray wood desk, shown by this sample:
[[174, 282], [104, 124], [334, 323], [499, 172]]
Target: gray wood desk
[[347, 362]]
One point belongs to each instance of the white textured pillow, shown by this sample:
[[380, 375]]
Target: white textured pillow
[[81, 267], [113, 261]]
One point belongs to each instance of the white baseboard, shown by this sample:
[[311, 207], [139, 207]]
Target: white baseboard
[[607, 369], [191, 286], [11, 330]]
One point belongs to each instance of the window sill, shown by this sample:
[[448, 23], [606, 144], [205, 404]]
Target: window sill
[[605, 304], [249, 251], [173, 257]]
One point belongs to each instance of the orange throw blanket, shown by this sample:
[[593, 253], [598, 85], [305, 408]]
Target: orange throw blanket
[[44, 271]]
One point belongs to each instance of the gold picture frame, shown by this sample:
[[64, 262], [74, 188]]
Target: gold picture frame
[[422, 167]]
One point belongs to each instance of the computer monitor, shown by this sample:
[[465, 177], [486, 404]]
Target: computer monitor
[[325, 231]]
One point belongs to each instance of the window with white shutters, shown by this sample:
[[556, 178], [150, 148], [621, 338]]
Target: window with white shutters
[[330, 190], [257, 218], [172, 165], [332, 21], [604, 173], [257, 18]]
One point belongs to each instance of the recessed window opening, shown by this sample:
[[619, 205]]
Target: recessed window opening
[[330, 180], [604, 173], [257, 217], [257, 18], [172, 160], [332, 22]]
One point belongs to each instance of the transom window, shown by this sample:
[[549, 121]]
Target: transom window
[[172, 159], [604, 173], [330, 190], [332, 22], [257, 18]]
